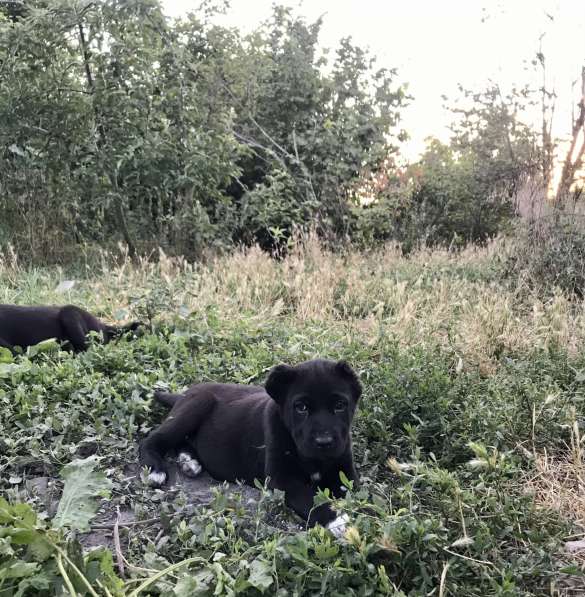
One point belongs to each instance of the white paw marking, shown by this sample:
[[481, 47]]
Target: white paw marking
[[188, 465], [338, 525], [157, 479]]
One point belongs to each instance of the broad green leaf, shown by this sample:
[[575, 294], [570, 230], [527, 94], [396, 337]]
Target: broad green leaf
[[260, 575], [5, 355], [40, 548], [50, 345], [39, 582], [83, 484], [326, 551], [9, 369], [186, 586], [18, 535], [346, 482], [100, 564], [5, 547], [18, 570]]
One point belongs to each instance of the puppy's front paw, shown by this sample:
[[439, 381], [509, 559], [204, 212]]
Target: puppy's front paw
[[157, 478], [189, 466], [338, 525]]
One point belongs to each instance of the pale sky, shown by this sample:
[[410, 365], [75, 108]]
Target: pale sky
[[436, 44]]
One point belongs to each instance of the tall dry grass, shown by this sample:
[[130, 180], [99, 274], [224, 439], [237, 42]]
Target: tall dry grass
[[455, 301]]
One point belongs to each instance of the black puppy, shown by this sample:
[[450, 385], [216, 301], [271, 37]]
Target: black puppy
[[28, 325], [294, 432]]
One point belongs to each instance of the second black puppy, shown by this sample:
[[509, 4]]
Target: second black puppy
[[25, 326], [294, 432]]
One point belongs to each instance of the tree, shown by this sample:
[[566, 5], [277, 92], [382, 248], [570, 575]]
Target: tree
[[463, 191], [118, 124], [105, 111], [576, 153], [506, 150], [329, 126], [454, 200]]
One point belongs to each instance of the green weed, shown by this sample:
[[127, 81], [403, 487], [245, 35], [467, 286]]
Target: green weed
[[448, 437]]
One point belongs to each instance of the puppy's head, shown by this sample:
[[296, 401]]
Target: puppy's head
[[317, 401]]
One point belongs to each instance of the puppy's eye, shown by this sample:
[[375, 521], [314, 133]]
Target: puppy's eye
[[301, 407], [340, 406]]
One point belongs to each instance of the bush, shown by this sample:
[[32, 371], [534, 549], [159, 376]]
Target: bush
[[272, 210], [180, 134], [549, 254], [445, 452]]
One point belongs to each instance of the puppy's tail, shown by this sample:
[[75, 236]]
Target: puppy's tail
[[132, 326], [166, 398], [114, 332]]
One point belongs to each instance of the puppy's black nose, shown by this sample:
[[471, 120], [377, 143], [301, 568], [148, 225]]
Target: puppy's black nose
[[324, 440]]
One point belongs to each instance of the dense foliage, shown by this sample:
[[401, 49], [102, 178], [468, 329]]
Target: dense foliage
[[466, 190], [548, 253], [116, 122], [448, 439]]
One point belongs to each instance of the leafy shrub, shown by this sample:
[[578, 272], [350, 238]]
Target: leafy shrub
[[461, 192], [445, 199], [181, 134], [273, 209], [549, 254], [443, 449]]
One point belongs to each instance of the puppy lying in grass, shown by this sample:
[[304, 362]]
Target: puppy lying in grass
[[28, 325], [295, 432]]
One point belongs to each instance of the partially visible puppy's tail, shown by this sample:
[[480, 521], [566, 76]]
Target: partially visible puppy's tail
[[133, 326], [166, 398], [114, 332]]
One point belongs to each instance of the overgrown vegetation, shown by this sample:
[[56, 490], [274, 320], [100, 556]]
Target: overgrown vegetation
[[163, 165], [115, 120], [464, 191], [119, 124], [548, 253], [468, 385]]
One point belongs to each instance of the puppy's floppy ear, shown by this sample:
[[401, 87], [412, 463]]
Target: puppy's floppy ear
[[344, 369], [279, 379]]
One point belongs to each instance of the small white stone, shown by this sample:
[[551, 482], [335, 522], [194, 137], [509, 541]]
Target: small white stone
[[575, 546], [157, 479], [338, 525], [188, 465]]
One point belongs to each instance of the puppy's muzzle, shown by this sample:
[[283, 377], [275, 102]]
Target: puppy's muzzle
[[324, 440]]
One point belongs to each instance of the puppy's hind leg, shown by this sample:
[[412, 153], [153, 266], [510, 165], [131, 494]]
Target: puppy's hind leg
[[181, 424], [188, 464], [74, 327]]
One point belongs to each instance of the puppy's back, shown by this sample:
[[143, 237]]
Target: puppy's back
[[23, 325]]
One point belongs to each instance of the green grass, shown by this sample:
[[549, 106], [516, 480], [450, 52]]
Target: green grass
[[466, 385]]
